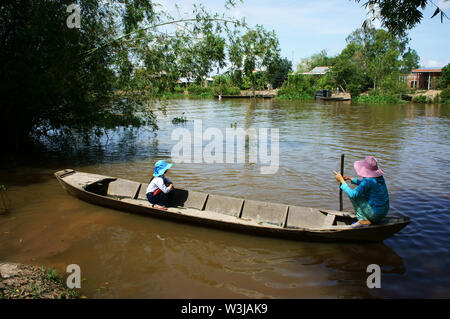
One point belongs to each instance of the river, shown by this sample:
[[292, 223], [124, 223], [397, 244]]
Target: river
[[122, 255]]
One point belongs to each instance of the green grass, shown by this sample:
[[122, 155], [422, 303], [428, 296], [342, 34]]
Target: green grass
[[179, 119], [421, 99], [377, 99], [173, 95], [52, 274]]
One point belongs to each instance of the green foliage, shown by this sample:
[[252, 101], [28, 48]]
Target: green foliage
[[392, 86], [377, 99], [299, 86], [200, 90], [52, 274], [223, 89], [354, 90], [4, 199], [81, 82], [437, 99], [421, 99], [253, 51], [232, 91], [179, 119], [374, 59], [349, 67], [223, 85], [176, 93], [246, 83], [178, 89], [445, 95], [399, 16], [278, 70], [444, 80], [325, 81], [410, 61], [380, 52], [318, 59]]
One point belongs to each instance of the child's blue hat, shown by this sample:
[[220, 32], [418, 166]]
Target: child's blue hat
[[161, 167]]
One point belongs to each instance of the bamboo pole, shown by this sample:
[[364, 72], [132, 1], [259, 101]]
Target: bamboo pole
[[341, 207]]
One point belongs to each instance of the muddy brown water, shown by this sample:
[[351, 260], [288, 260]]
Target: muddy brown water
[[122, 255]]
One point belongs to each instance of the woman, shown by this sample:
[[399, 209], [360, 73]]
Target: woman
[[370, 198], [160, 187]]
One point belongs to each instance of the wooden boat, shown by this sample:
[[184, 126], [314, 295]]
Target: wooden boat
[[327, 95], [335, 98], [261, 96], [248, 216]]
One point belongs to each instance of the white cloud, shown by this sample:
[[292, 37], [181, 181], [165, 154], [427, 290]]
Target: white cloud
[[443, 4], [429, 63], [319, 17]]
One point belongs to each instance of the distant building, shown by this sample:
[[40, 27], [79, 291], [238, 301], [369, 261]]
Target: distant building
[[183, 82], [318, 70], [208, 80], [425, 79]]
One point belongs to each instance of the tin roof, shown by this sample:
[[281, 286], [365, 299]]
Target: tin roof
[[426, 70], [318, 70]]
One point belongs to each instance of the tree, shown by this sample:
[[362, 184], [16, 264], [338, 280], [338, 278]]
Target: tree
[[319, 59], [445, 77], [60, 80], [410, 61], [374, 58], [46, 79], [350, 68], [381, 52], [259, 49], [398, 16], [199, 55], [278, 70]]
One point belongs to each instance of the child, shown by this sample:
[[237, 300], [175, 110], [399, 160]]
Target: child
[[160, 187], [370, 198]]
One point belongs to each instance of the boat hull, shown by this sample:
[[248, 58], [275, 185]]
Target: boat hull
[[331, 234]]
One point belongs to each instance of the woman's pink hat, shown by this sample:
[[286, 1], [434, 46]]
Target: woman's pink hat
[[368, 167]]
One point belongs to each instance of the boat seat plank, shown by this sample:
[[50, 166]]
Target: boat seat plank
[[224, 205], [338, 213], [305, 217], [271, 213], [143, 191], [82, 179], [329, 220], [191, 199], [123, 188], [180, 197], [204, 214]]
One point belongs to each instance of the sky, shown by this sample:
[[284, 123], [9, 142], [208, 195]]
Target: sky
[[307, 27]]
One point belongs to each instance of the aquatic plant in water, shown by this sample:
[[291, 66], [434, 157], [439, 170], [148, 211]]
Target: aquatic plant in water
[[179, 120], [6, 202]]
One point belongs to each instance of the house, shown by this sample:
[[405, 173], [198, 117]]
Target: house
[[318, 70], [184, 82], [425, 79], [208, 80]]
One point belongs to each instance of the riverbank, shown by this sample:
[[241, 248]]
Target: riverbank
[[209, 92], [19, 281], [424, 96]]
